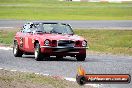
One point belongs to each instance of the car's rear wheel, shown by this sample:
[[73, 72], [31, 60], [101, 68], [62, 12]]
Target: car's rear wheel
[[81, 57], [16, 51], [38, 55]]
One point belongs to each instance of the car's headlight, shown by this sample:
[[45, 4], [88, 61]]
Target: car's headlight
[[47, 42], [84, 43]]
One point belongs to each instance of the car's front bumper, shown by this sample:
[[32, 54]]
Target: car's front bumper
[[63, 50], [60, 47]]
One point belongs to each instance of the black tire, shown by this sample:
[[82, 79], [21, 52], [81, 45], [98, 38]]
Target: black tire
[[38, 55], [16, 51], [81, 57], [81, 80]]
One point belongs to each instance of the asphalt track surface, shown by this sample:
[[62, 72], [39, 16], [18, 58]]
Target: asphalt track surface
[[67, 67], [94, 24]]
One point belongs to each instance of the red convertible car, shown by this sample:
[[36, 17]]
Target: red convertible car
[[45, 39]]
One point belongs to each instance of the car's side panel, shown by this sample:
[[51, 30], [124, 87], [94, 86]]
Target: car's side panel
[[24, 40], [29, 45], [19, 39]]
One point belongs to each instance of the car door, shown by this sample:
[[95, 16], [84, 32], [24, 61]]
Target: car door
[[29, 42]]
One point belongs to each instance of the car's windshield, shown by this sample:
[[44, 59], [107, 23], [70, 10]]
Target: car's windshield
[[57, 28]]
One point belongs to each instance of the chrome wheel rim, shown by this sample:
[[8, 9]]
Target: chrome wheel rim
[[15, 49], [36, 53]]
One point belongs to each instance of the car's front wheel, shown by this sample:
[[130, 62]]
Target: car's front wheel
[[16, 51], [38, 55]]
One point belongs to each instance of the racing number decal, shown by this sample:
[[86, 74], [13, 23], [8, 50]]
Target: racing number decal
[[21, 42], [26, 45]]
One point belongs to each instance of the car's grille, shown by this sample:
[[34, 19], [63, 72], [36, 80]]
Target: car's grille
[[66, 43]]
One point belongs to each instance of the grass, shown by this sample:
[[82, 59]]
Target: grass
[[56, 10], [6, 36], [108, 41], [10, 79]]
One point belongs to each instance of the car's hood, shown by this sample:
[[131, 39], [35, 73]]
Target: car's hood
[[62, 37]]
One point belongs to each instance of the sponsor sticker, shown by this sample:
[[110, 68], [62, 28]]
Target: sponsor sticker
[[83, 78]]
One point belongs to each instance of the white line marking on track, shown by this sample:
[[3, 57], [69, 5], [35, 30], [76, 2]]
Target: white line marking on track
[[37, 73], [1, 68], [46, 74], [13, 70], [5, 48], [70, 79]]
